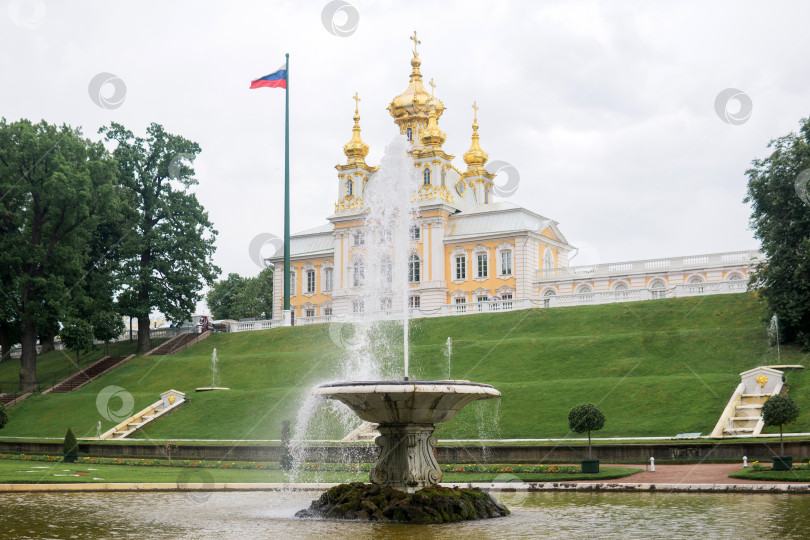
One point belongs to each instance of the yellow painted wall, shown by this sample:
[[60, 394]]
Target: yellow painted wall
[[491, 284], [298, 299]]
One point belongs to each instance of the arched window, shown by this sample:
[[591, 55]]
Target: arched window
[[486, 196], [621, 286], [444, 177], [387, 269], [359, 273], [349, 187], [695, 285], [426, 177], [621, 291], [547, 296], [658, 289], [414, 269], [409, 134], [585, 293], [548, 259]]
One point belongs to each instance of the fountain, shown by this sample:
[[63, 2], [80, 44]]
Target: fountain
[[406, 411], [214, 375], [448, 352]]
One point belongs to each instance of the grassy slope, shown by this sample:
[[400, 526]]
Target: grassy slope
[[55, 366], [656, 368]]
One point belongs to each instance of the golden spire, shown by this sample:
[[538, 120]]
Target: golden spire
[[356, 149], [475, 157], [432, 135], [415, 43], [412, 107]]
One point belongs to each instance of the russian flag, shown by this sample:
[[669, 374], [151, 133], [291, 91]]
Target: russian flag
[[274, 80]]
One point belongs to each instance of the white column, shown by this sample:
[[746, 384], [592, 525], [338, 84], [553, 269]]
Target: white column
[[337, 278]]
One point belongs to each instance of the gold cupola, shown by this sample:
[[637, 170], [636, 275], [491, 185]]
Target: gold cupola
[[432, 135], [356, 149], [412, 108], [475, 157]]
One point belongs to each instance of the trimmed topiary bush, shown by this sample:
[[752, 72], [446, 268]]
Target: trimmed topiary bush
[[70, 448], [3, 416], [778, 411], [586, 417]]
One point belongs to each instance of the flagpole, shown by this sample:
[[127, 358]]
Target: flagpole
[[287, 313]]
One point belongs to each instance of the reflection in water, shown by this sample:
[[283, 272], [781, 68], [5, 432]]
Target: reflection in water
[[265, 515]]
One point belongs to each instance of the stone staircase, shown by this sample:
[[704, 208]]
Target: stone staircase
[[178, 343], [86, 375], [12, 399], [169, 401], [742, 417]]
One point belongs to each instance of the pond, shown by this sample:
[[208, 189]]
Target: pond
[[270, 514]]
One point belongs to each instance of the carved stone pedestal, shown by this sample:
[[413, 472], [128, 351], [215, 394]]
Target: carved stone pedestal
[[406, 461]]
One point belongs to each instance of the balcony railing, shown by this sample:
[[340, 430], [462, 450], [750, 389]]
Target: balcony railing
[[673, 264]]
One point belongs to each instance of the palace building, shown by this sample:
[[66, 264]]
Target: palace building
[[471, 252]]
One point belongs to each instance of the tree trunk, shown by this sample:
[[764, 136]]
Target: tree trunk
[[589, 445], [5, 342], [781, 441], [28, 360], [144, 340], [107, 348]]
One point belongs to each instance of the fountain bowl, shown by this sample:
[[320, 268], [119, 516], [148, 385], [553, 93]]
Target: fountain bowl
[[406, 402], [406, 412]]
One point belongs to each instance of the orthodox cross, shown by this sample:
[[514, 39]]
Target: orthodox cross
[[475, 114], [415, 43], [432, 86], [356, 99]]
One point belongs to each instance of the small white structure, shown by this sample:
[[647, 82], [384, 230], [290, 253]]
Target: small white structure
[[169, 401], [743, 414]]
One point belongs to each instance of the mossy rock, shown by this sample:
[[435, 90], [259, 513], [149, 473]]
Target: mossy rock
[[434, 504]]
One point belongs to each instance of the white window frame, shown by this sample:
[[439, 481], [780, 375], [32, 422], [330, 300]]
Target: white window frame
[[482, 266], [311, 281], [328, 279], [460, 267], [414, 268]]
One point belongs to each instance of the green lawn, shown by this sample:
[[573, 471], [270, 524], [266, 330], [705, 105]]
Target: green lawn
[[39, 472], [656, 368], [777, 476]]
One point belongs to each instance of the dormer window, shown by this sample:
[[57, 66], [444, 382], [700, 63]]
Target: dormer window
[[349, 187], [409, 134], [426, 177]]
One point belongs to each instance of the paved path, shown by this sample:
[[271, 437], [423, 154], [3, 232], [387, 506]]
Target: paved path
[[698, 473]]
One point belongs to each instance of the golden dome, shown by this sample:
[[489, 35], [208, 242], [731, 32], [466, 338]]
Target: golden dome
[[475, 157], [432, 135], [415, 103], [356, 149]]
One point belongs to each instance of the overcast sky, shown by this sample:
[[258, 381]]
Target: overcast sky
[[606, 109]]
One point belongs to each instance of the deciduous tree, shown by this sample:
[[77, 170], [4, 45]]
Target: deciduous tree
[[780, 202], [167, 252]]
